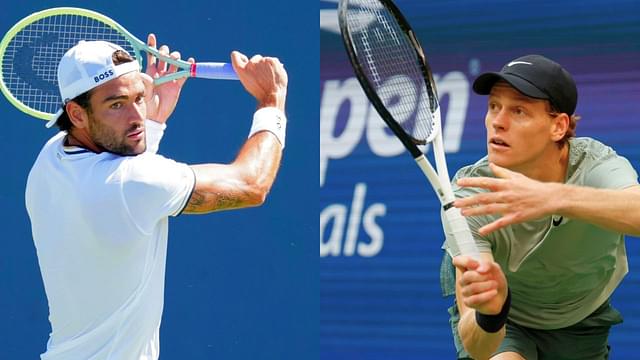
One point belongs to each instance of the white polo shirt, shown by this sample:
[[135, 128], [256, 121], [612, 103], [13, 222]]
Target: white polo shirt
[[100, 225]]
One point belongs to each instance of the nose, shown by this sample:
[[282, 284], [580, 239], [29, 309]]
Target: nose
[[498, 120], [137, 113]]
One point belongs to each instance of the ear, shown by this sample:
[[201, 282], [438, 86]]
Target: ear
[[559, 126], [77, 114]]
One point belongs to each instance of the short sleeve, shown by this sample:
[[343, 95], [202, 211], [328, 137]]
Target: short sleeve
[[154, 187], [614, 172]]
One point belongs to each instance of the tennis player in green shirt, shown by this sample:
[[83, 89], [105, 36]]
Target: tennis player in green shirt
[[549, 212]]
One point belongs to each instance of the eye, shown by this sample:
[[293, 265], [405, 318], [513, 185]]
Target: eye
[[519, 111], [116, 105], [493, 106], [140, 99]]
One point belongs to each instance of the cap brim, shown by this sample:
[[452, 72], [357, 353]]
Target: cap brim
[[483, 84]]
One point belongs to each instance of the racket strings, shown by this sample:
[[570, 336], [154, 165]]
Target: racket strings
[[30, 61], [390, 63]]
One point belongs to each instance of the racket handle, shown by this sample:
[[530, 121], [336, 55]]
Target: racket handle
[[461, 233], [219, 71]]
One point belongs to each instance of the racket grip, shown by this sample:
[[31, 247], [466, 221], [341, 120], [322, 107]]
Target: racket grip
[[219, 71], [461, 233]]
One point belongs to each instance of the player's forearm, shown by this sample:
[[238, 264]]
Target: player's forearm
[[478, 343], [244, 183], [259, 160], [617, 210]]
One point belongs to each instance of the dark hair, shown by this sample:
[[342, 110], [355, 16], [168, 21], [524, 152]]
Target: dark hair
[[84, 100]]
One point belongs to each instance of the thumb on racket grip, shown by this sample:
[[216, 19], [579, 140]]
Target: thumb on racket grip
[[239, 60]]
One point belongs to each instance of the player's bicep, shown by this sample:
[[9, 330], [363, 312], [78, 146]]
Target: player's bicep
[[221, 187]]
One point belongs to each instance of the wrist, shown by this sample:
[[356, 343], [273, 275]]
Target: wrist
[[276, 100], [153, 132], [493, 323], [562, 195], [270, 119], [159, 122]]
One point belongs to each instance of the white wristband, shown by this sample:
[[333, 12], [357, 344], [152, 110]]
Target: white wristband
[[154, 132], [270, 119]]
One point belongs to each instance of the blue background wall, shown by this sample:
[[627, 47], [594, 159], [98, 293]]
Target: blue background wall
[[241, 284], [380, 226]]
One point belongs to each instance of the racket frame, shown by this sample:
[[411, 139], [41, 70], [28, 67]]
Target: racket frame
[[186, 69], [435, 178], [439, 179]]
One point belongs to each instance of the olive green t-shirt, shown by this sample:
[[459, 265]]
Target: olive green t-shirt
[[559, 270]]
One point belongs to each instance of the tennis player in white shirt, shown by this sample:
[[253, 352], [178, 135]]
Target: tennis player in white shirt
[[99, 196]]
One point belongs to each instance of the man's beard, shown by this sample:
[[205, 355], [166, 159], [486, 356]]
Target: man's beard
[[108, 140]]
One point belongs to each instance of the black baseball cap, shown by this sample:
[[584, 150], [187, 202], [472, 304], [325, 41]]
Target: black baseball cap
[[537, 77]]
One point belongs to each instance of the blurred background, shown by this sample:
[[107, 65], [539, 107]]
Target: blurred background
[[239, 284], [380, 231]]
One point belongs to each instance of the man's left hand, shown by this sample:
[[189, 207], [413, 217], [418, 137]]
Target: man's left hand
[[516, 197], [162, 99]]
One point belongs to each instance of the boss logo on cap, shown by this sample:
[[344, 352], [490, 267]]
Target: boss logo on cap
[[104, 75]]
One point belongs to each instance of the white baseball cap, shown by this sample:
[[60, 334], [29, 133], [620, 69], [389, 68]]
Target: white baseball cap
[[86, 66]]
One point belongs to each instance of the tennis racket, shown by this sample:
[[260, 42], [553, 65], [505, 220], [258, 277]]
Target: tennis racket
[[390, 64], [32, 48]]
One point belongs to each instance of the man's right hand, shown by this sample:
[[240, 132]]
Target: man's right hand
[[482, 286], [263, 77]]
